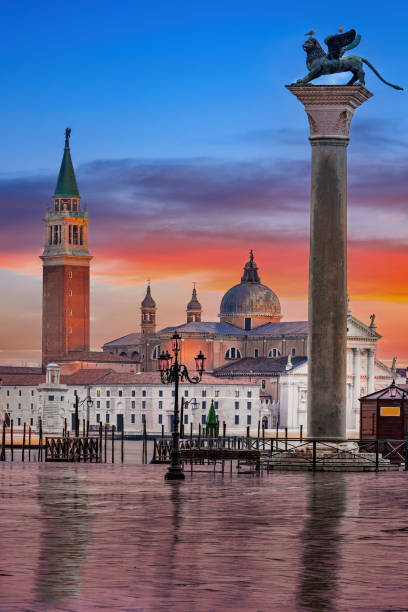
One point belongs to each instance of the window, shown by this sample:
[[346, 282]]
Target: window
[[256, 352], [173, 393], [143, 393], [69, 274], [133, 418], [8, 393], [160, 393], [133, 393], [18, 421], [32, 393], [107, 406], [160, 404], [98, 393], [98, 404], [247, 323], [50, 399], [160, 419], [216, 405], [203, 393], [248, 419], [143, 405], [74, 234], [81, 235], [133, 404], [216, 393], [143, 418], [70, 292], [98, 418], [249, 405], [20, 404], [274, 353], [186, 419], [236, 405], [31, 422], [70, 312], [203, 419], [61, 398], [120, 392], [107, 393], [249, 393], [19, 392], [32, 406], [293, 352], [237, 419], [233, 353], [203, 405], [70, 330], [156, 352], [107, 418], [70, 234], [263, 384], [186, 393], [236, 393]]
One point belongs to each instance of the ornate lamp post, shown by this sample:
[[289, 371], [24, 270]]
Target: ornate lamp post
[[89, 404], [174, 373]]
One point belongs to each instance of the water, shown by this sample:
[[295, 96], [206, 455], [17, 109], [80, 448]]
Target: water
[[117, 537]]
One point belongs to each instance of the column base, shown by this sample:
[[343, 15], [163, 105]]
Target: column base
[[174, 473]]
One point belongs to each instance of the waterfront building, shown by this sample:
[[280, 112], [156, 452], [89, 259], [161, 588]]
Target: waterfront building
[[124, 399]]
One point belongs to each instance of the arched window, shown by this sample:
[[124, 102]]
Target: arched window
[[156, 352], [123, 354], [274, 353], [293, 352], [233, 353], [135, 355]]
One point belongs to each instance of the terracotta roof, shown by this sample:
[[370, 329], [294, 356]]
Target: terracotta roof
[[98, 356], [29, 380], [261, 366], [19, 370]]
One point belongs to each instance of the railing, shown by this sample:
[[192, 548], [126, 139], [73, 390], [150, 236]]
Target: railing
[[277, 452], [73, 449]]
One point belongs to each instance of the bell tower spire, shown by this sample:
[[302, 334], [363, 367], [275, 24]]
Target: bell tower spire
[[65, 267], [148, 308], [194, 308]]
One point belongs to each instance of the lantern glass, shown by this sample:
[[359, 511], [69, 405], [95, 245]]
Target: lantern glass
[[176, 342], [393, 390], [89, 402], [200, 359], [169, 359], [162, 362]]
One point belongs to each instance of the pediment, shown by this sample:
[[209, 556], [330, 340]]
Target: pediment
[[358, 329]]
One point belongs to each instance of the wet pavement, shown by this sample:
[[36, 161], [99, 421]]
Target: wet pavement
[[117, 537]]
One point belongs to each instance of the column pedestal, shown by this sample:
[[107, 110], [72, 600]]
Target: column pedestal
[[329, 109]]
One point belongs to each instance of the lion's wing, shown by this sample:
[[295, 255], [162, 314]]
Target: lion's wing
[[336, 42]]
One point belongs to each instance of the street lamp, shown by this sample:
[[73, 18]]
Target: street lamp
[[174, 373], [184, 405], [89, 404]]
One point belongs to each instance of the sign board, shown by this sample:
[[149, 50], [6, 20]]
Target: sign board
[[390, 411]]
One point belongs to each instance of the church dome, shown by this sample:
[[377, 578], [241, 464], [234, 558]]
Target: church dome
[[148, 301], [250, 298]]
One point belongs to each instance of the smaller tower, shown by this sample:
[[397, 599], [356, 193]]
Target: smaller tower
[[194, 308], [148, 323]]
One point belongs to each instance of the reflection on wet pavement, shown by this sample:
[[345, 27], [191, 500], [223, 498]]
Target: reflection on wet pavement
[[113, 537]]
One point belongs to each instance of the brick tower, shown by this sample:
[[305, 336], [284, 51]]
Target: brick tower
[[65, 324], [148, 308]]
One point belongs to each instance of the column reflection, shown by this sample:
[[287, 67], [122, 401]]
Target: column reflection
[[65, 533], [321, 542]]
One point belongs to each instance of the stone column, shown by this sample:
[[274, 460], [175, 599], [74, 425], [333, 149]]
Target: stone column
[[356, 377], [329, 109], [370, 370]]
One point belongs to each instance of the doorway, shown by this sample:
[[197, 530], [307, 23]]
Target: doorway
[[119, 422]]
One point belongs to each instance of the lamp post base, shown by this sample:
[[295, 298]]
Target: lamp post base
[[174, 473]]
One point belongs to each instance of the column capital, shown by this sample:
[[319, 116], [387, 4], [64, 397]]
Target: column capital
[[330, 108]]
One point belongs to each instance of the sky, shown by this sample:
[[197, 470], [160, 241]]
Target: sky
[[189, 151]]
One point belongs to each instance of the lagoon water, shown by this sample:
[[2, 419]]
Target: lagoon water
[[117, 537]]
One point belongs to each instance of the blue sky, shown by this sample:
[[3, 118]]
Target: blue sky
[[189, 151]]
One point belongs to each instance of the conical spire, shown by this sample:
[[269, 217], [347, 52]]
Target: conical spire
[[66, 183], [148, 301], [250, 271]]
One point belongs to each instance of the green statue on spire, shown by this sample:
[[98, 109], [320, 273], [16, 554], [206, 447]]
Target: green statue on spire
[[67, 136]]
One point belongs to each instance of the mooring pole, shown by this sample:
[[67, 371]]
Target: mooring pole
[[3, 442], [113, 444], [24, 440], [29, 443], [12, 439], [122, 441]]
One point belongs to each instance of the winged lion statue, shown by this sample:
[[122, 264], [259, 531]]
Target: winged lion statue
[[319, 62]]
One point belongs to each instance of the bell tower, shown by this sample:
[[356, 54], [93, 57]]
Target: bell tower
[[65, 324], [194, 308], [148, 308]]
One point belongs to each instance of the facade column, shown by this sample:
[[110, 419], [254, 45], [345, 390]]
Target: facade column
[[356, 377], [329, 109], [370, 370]]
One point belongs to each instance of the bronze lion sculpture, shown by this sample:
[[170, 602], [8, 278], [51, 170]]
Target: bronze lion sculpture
[[319, 62]]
